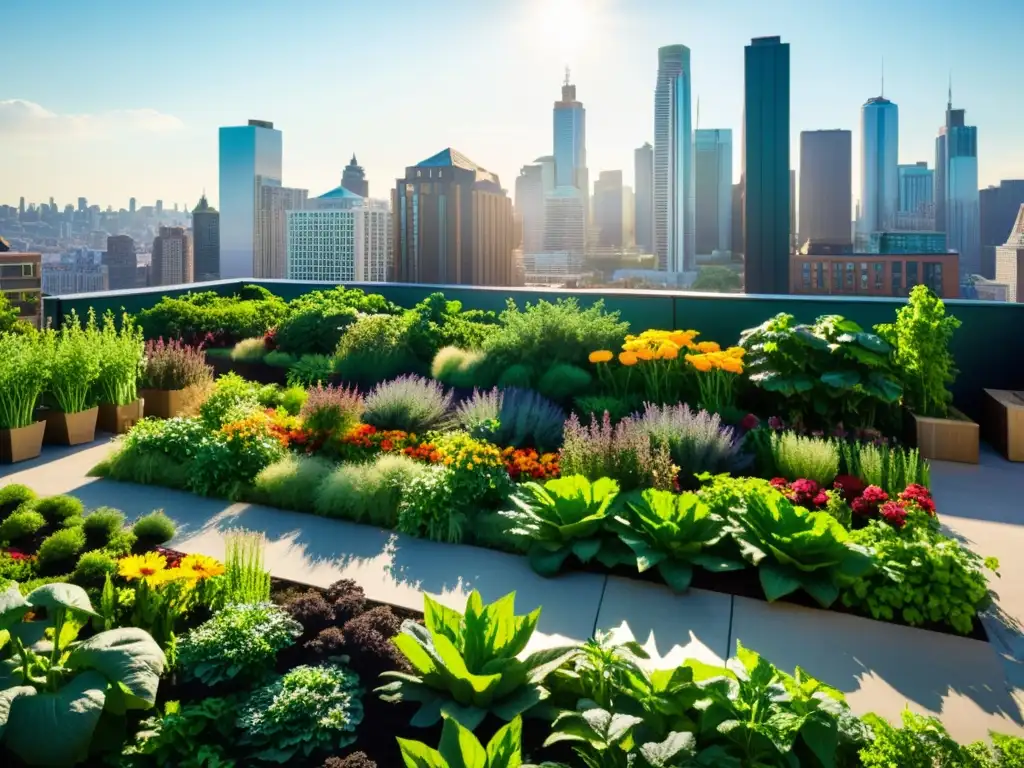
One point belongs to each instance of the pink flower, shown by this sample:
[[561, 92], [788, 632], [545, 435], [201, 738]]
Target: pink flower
[[780, 483], [894, 514], [920, 496], [750, 421], [851, 487], [776, 423], [868, 502], [821, 499], [804, 487]]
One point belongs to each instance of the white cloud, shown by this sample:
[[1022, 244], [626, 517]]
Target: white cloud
[[19, 118]]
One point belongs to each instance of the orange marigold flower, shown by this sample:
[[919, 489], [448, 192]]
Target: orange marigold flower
[[709, 346], [601, 356], [628, 358]]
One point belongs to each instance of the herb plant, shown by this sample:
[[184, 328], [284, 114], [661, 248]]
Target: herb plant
[[810, 458], [527, 420], [331, 409], [891, 467], [923, 742], [194, 735], [75, 364], [459, 747], [122, 359], [624, 452], [696, 440], [246, 580], [174, 365], [409, 403], [24, 376]]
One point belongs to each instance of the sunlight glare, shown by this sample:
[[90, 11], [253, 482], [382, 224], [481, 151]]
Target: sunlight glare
[[565, 26]]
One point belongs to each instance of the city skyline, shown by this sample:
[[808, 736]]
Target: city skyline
[[61, 135]]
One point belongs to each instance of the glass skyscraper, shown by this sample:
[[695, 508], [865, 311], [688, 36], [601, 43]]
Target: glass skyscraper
[[962, 205], [643, 163], [570, 140], [713, 197], [916, 184], [674, 221], [879, 158], [250, 157]]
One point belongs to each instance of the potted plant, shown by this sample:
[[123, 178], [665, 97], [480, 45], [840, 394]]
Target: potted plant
[[72, 412], [122, 360], [920, 340], [171, 368], [24, 372]]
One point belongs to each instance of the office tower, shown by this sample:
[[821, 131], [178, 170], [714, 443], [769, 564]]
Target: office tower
[[1010, 261], [957, 206], [879, 178], [998, 207], [565, 221], [272, 228], [570, 140], [21, 207], [674, 244], [340, 236], [792, 211], [713, 195], [766, 183], [159, 207], [53, 206], [131, 205], [628, 222], [916, 187], [529, 206], [250, 157], [643, 180], [353, 178], [121, 262], [21, 282], [172, 257], [453, 224], [83, 204], [609, 209], [826, 160], [206, 240], [80, 271], [737, 219]]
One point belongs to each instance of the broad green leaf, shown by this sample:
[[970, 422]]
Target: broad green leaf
[[669, 752], [542, 663], [456, 667], [128, 657], [676, 574], [841, 379], [821, 735], [460, 748], [525, 626], [416, 754], [547, 562], [613, 727], [442, 620], [50, 596], [504, 748], [13, 607], [821, 588], [7, 697], [469, 716], [776, 581], [585, 549], [412, 646], [525, 698]]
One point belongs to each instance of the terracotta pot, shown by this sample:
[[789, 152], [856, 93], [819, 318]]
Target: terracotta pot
[[22, 443], [119, 418], [163, 403], [953, 439], [69, 428]]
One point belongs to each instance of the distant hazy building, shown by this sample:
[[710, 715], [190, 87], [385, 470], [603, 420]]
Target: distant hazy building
[[826, 161], [609, 209], [737, 219], [530, 206], [957, 205], [1010, 261], [713, 190], [766, 167], [121, 263], [172, 257], [452, 224], [206, 240], [272, 229], [250, 158], [565, 220], [21, 283], [879, 178], [674, 235], [353, 178], [79, 272], [570, 140], [643, 209], [998, 208], [898, 243]]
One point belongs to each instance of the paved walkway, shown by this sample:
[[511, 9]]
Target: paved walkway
[[973, 686]]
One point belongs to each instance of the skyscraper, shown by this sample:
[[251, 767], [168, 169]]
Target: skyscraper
[[565, 222], [530, 206], [879, 158], [826, 160], [131, 205], [916, 187], [206, 240], [453, 224], [272, 228], [957, 206], [1010, 261], [121, 263], [998, 210], [674, 242], [353, 178], [766, 166], [713, 195], [172, 257], [643, 181], [609, 208], [250, 157], [570, 140]]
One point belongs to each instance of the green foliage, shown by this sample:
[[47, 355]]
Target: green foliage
[[144, 467], [292, 400], [409, 403], [57, 509], [23, 376], [62, 691], [332, 409], [15, 569], [369, 493], [122, 355], [457, 367], [796, 549], [674, 533], [923, 742], [291, 482], [595, 406], [245, 578], [153, 529], [376, 348], [173, 365], [121, 543], [101, 525], [717, 279], [517, 376], [624, 452], [310, 370], [307, 711], [59, 551], [527, 420], [813, 458], [316, 321], [275, 358], [696, 439], [176, 439], [93, 567], [249, 350], [891, 467], [196, 735], [227, 318], [562, 382], [466, 666], [21, 524], [75, 364], [12, 496], [924, 577], [232, 399], [430, 508], [459, 747], [436, 323], [240, 641], [565, 516], [478, 414], [225, 465]]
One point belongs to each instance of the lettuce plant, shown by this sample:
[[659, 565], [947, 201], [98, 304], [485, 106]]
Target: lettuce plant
[[466, 665], [56, 690], [797, 549], [459, 747], [562, 517], [674, 533]]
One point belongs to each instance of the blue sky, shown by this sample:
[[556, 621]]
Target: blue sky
[[124, 98]]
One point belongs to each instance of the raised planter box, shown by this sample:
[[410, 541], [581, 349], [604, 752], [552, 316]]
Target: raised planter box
[[163, 403], [119, 418], [21, 444], [1003, 422], [69, 428], [955, 439]]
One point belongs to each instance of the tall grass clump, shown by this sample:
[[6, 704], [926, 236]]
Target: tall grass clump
[[122, 359], [249, 350], [696, 440], [478, 414], [528, 420], [368, 493], [811, 458], [409, 403], [891, 467], [24, 375], [291, 482], [75, 364], [623, 452], [456, 367], [174, 365], [246, 580], [331, 408]]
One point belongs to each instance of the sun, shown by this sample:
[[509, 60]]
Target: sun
[[565, 27]]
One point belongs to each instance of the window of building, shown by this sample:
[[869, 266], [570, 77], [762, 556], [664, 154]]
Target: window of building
[[820, 269], [805, 272], [26, 270], [911, 275], [849, 275], [879, 275], [863, 276], [837, 276], [897, 278]]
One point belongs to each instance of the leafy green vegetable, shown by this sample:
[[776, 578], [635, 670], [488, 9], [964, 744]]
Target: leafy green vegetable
[[459, 748], [196, 735]]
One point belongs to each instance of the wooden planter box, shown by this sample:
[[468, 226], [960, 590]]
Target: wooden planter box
[[163, 403], [69, 428], [1004, 422], [947, 439], [21, 444], [119, 418]]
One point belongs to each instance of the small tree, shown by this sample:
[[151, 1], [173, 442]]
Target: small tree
[[717, 279]]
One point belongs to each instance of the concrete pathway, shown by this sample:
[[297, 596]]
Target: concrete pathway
[[973, 686]]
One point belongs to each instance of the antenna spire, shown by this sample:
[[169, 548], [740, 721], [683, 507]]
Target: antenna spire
[[883, 77], [566, 75], [949, 105]]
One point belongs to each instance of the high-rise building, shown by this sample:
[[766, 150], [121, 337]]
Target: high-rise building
[[570, 140], [453, 224], [159, 207], [713, 195], [998, 208], [21, 207], [131, 205], [826, 159], [272, 228], [879, 158], [83, 205], [565, 220], [609, 209], [1010, 261], [121, 263], [737, 219], [353, 178], [80, 271], [530, 206], [206, 241], [674, 236], [766, 184], [340, 236], [957, 205], [916, 187], [628, 220], [643, 180], [250, 157], [172, 257]]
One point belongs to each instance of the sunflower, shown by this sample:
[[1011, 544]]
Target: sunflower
[[600, 356], [200, 567], [147, 566]]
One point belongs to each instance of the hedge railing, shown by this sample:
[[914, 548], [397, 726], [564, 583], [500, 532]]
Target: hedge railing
[[988, 347]]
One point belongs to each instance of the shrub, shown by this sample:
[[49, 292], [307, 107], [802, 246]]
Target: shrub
[[153, 529], [456, 367], [22, 524], [312, 611], [310, 370], [268, 396], [368, 492], [75, 363], [121, 543], [924, 742], [275, 358], [527, 420], [233, 398], [374, 349], [516, 376], [205, 316], [59, 550], [331, 409], [15, 567], [562, 382], [314, 330], [57, 509], [806, 457], [177, 439], [93, 568], [430, 509], [292, 400], [145, 467], [409, 403], [696, 440], [594, 406], [174, 365], [478, 413], [623, 452], [437, 323], [353, 760], [13, 496], [291, 482]]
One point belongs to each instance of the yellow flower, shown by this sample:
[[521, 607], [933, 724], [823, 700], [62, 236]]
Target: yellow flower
[[668, 351], [147, 566], [644, 353], [683, 338], [736, 352], [601, 356], [198, 567], [731, 365], [708, 346], [627, 358], [700, 362]]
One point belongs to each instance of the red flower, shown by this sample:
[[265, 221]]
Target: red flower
[[749, 422], [804, 487], [919, 495], [893, 513], [821, 500], [776, 423], [851, 487], [869, 501], [780, 483]]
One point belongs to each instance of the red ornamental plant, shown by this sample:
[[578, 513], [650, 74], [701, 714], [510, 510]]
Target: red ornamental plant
[[16, 554], [868, 503], [850, 487], [804, 493], [893, 513], [427, 452], [919, 496], [270, 340], [527, 464]]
